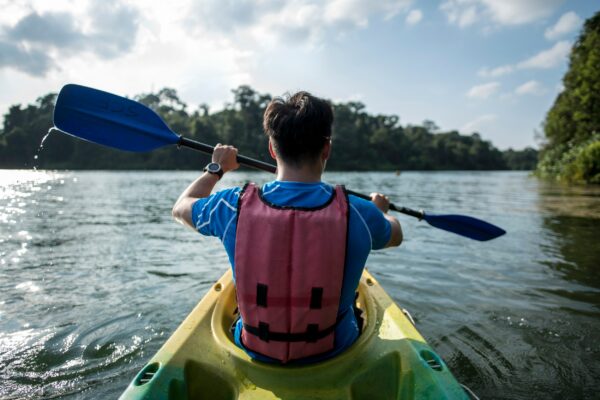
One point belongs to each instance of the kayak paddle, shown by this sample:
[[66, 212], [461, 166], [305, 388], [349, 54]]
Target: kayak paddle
[[115, 121], [463, 225]]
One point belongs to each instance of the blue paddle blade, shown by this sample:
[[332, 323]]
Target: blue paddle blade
[[463, 225], [110, 120]]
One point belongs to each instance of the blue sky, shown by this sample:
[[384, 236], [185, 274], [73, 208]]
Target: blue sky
[[489, 66]]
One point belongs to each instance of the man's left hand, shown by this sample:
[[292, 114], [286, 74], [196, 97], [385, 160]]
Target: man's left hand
[[226, 157]]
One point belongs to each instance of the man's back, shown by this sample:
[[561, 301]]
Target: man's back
[[216, 215]]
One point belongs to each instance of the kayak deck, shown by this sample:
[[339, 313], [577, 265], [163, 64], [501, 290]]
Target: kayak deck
[[390, 359]]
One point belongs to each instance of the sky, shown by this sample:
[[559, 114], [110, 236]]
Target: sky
[[487, 66]]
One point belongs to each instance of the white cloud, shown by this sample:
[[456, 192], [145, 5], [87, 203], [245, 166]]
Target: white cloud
[[269, 22], [495, 72], [515, 12], [531, 87], [414, 17], [37, 42], [461, 13], [478, 123], [501, 12], [352, 97], [204, 71], [548, 58], [545, 59], [37, 37], [483, 91], [567, 23], [357, 12]]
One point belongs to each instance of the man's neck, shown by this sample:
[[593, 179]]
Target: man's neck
[[305, 173]]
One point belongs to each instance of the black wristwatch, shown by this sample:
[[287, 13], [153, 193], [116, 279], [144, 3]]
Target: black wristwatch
[[214, 168]]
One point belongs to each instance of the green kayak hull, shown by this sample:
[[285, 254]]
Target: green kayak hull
[[390, 360]]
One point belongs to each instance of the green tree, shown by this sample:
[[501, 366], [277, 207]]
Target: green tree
[[574, 119], [525, 159]]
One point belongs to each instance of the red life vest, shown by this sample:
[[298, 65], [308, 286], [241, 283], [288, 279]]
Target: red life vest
[[289, 268]]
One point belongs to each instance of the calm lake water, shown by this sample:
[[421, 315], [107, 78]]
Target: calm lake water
[[95, 275]]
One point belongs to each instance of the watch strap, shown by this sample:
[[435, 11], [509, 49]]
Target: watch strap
[[218, 173]]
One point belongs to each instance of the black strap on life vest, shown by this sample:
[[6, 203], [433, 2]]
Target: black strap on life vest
[[311, 335], [316, 296]]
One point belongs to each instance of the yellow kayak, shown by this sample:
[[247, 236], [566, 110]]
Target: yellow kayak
[[390, 360]]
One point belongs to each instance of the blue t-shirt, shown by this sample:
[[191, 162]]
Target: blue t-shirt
[[367, 230]]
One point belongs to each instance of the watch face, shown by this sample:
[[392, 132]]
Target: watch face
[[213, 167]]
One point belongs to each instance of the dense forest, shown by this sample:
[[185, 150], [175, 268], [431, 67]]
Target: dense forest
[[572, 126], [362, 141]]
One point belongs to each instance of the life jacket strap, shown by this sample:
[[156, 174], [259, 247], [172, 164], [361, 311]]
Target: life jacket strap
[[311, 335]]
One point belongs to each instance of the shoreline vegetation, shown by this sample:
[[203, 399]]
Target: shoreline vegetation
[[571, 153], [362, 141]]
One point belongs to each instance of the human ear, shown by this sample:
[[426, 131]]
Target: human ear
[[271, 151], [326, 152]]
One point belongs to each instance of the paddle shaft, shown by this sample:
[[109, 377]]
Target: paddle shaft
[[413, 213], [263, 166], [247, 161]]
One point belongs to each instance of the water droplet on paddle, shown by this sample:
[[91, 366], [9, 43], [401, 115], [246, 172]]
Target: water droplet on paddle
[[36, 157], [46, 136]]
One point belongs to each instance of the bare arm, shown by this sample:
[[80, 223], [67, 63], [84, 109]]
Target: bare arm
[[202, 187], [383, 203]]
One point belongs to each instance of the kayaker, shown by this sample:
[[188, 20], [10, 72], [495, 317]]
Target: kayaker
[[297, 245]]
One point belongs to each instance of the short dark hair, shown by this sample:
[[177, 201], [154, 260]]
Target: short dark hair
[[299, 125]]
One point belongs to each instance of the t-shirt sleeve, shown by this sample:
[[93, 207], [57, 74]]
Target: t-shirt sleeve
[[212, 215], [379, 228]]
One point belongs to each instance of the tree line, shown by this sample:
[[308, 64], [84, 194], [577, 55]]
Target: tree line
[[362, 141], [572, 125]]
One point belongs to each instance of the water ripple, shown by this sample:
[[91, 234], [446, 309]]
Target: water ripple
[[95, 275]]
